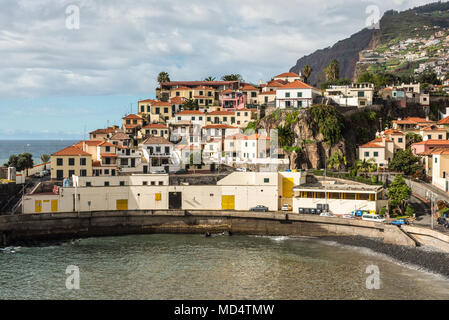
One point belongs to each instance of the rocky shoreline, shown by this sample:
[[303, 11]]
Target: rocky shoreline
[[428, 259]]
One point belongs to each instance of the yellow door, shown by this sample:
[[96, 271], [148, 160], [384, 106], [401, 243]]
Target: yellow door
[[122, 204], [287, 187], [54, 205], [38, 206], [158, 197], [228, 202]]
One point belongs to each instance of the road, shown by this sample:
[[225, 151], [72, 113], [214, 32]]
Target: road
[[423, 215]]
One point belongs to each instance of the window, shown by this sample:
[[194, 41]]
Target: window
[[71, 161], [429, 136], [153, 183], [232, 119], [122, 183], [376, 154], [106, 183], [400, 140], [83, 173], [200, 118], [83, 161], [287, 94], [366, 154], [106, 171], [436, 160], [108, 149], [142, 108], [179, 118], [165, 110], [440, 137], [208, 118], [299, 103], [254, 94], [266, 180], [266, 99], [177, 93], [299, 94], [59, 162], [71, 173], [361, 94], [161, 183], [88, 184], [144, 183]]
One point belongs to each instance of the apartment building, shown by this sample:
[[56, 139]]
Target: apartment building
[[70, 161], [296, 94]]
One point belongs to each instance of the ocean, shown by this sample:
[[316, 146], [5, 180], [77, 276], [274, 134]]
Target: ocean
[[163, 266], [35, 147]]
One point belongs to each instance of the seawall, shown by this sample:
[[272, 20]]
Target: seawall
[[57, 226]]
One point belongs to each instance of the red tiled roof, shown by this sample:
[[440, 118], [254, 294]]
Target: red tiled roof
[[147, 100], [106, 144], [221, 113], [371, 145], [182, 88], [394, 132], [444, 121], [177, 100], [219, 126], [440, 151], [297, 84], [197, 83], [192, 112], [156, 140], [432, 142], [132, 116], [161, 104], [433, 128], [249, 87], [276, 83], [155, 126], [287, 74], [108, 155], [268, 92], [71, 151]]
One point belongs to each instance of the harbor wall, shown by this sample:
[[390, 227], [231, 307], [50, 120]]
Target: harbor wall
[[48, 226]]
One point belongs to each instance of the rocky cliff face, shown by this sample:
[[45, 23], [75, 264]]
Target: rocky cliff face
[[310, 148], [345, 51]]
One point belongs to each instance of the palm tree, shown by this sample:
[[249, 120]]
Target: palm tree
[[210, 78], [332, 71], [336, 161], [232, 77], [163, 77], [307, 71], [45, 158]]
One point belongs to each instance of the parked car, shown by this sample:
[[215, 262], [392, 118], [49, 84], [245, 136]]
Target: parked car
[[38, 175], [259, 208], [372, 217], [348, 216], [45, 172], [327, 214], [181, 171], [286, 207], [399, 222], [241, 169]]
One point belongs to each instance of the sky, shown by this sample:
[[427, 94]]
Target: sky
[[70, 67]]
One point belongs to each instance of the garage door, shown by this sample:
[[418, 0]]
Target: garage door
[[287, 187], [54, 205], [37, 206], [122, 205], [228, 202]]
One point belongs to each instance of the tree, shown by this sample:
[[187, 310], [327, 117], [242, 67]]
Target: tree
[[307, 71], [190, 104], [404, 161], [411, 138], [428, 76], [210, 78], [286, 136], [21, 162], [398, 192], [45, 158], [336, 160], [232, 77], [332, 71], [163, 77]]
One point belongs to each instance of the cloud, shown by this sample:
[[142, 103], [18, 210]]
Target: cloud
[[122, 45]]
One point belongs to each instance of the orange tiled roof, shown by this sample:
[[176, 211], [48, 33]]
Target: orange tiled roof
[[444, 121], [177, 100], [71, 151], [190, 112], [219, 126], [108, 155], [268, 92], [90, 143], [297, 84], [394, 132], [161, 104], [132, 116], [287, 74], [155, 126], [440, 151], [432, 142], [147, 100], [156, 140], [249, 87], [433, 128], [221, 113], [371, 145]]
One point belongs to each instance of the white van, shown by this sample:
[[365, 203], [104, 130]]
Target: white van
[[372, 217]]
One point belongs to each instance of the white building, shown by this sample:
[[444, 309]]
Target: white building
[[159, 154], [296, 94]]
